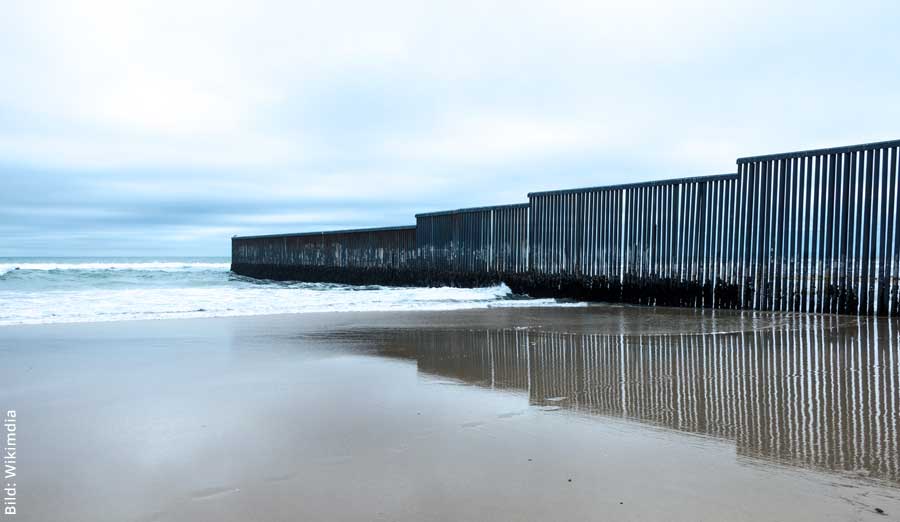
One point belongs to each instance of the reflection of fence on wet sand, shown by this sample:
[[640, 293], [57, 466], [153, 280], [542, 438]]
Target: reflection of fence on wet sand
[[813, 231], [808, 393]]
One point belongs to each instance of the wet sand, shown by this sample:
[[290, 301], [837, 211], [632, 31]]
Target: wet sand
[[600, 413]]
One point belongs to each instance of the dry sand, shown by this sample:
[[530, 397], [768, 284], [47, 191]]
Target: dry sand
[[603, 413]]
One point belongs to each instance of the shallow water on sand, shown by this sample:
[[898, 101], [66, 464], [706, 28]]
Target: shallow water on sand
[[604, 413], [816, 391]]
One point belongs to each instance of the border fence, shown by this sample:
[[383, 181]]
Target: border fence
[[343, 256], [485, 239], [650, 243], [811, 231], [818, 230]]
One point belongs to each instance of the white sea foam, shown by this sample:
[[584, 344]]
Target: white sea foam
[[65, 292], [156, 303]]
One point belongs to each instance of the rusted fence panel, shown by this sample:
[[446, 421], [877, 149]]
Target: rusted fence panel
[[474, 240], [362, 256]]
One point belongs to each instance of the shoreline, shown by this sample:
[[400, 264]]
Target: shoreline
[[591, 317], [585, 308], [318, 312]]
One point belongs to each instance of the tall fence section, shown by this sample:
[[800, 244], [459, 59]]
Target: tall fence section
[[812, 231], [662, 243], [818, 230]]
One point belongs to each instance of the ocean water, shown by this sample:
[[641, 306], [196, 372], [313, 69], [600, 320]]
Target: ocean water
[[64, 290]]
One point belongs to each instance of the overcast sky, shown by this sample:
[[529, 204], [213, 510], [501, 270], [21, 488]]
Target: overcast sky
[[165, 127]]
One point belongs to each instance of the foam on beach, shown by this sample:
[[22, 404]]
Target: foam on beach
[[112, 290]]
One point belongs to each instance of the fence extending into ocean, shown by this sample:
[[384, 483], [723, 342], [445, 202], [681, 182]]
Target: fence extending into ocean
[[810, 231]]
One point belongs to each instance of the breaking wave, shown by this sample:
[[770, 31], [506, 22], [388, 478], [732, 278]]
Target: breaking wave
[[63, 291]]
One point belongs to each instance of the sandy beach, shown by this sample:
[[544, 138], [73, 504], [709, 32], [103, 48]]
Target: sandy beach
[[598, 413]]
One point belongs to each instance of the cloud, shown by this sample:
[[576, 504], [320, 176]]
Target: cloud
[[198, 119]]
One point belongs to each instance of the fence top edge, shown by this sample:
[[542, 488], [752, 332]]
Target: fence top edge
[[656, 183], [330, 232], [819, 152], [471, 209]]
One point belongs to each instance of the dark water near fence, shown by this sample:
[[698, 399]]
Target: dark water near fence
[[818, 392]]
